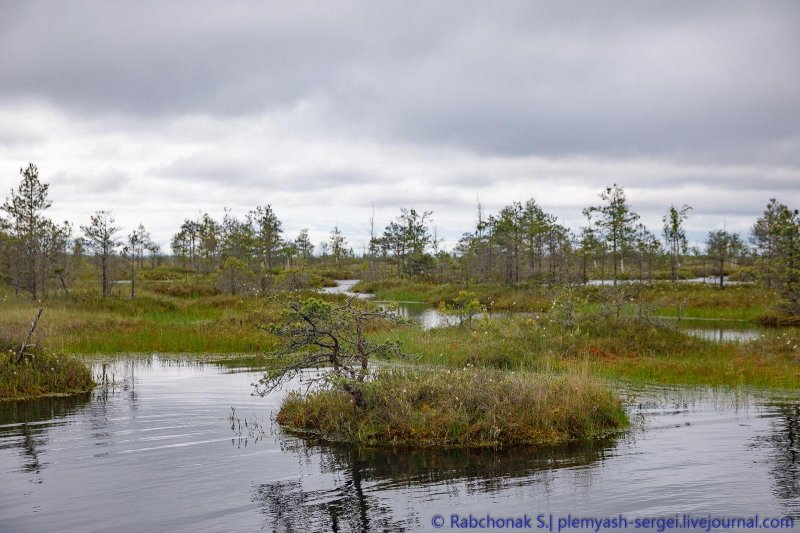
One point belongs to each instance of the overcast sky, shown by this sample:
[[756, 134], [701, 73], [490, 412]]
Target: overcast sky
[[160, 110]]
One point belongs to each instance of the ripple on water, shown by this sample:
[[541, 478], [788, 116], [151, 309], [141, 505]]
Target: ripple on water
[[158, 453]]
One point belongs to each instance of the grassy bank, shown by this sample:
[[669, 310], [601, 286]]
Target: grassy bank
[[608, 347], [41, 373], [464, 408], [494, 297], [81, 323], [152, 322], [691, 300]]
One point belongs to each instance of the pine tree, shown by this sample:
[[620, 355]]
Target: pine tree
[[617, 223], [675, 237], [337, 246], [101, 237], [304, 246], [34, 247], [723, 247]]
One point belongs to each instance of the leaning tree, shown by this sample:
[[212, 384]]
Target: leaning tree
[[315, 333]]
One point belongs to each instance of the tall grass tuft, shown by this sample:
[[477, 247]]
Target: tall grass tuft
[[41, 373], [458, 408]]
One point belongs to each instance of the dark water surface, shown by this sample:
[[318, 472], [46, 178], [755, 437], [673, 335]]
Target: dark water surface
[[160, 452]]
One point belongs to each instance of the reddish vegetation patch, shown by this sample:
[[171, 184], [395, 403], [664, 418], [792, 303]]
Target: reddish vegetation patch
[[598, 353]]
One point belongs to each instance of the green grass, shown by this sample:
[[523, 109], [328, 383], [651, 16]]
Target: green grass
[[610, 348], [738, 302], [494, 297], [83, 323], [462, 408], [691, 300]]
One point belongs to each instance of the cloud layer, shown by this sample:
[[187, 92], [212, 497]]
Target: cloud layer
[[159, 110]]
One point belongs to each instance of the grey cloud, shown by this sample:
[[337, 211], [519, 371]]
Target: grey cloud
[[12, 137], [99, 183], [156, 57], [715, 81], [324, 109], [238, 173]]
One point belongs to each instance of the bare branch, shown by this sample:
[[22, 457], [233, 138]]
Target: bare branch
[[26, 342]]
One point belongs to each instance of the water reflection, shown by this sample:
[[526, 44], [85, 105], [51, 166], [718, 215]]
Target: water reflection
[[47, 410], [428, 317], [425, 315], [160, 440], [708, 280], [345, 286], [783, 446], [360, 493], [24, 426], [716, 330], [722, 333], [287, 506]]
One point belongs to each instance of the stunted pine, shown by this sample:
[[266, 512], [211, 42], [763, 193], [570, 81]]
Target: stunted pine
[[315, 334], [304, 247], [101, 238], [33, 247], [723, 247], [617, 223], [675, 237]]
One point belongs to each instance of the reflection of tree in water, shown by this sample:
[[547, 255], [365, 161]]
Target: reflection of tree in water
[[359, 476], [120, 376], [116, 380], [30, 419], [784, 442], [346, 507], [29, 448]]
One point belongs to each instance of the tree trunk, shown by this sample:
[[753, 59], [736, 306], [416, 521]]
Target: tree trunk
[[104, 268], [357, 394], [27, 340], [133, 279]]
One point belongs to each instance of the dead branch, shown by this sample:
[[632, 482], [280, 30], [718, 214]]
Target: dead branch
[[26, 342]]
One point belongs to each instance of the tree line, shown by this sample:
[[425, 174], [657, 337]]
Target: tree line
[[521, 243]]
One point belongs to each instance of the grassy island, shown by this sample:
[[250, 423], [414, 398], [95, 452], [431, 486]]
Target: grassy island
[[461, 408]]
